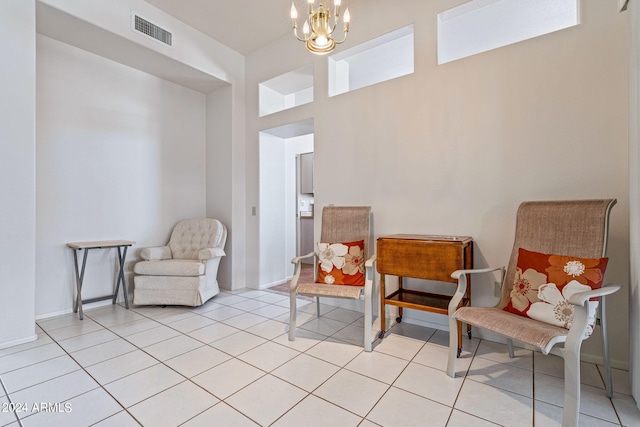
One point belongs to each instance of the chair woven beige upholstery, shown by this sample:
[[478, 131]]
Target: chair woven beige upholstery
[[184, 272], [573, 228], [339, 224]]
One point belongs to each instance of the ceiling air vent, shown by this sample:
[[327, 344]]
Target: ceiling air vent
[[152, 30]]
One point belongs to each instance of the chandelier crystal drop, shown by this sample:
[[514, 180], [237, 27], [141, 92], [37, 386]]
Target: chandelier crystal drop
[[318, 29]]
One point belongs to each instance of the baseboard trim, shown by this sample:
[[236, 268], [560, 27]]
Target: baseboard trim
[[19, 341]]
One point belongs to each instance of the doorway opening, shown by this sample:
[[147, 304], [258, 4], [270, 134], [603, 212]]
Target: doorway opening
[[280, 199]]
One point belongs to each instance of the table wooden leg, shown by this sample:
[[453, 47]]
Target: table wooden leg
[[383, 314], [399, 318]]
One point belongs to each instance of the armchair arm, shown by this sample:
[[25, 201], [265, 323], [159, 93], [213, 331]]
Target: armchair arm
[[297, 259], [456, 274], [156, 253], [581, 297], [209, 253], [369, 277], [293, 286], [369, 263], [582, 315], [461, 277]]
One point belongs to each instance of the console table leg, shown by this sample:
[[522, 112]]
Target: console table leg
[[122, 255], [79, 279]]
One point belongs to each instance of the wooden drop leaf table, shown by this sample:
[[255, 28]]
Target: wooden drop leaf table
[[427, 257]]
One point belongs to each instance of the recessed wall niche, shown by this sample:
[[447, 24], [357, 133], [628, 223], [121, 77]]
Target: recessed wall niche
[[482, 25], [375, 61], [286, 91]]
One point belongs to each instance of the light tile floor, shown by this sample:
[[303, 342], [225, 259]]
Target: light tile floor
[[229, 363]]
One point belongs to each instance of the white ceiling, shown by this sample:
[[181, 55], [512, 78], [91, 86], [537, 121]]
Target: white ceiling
[[293, 81], [242, 25], [290, 130], [68, 29]]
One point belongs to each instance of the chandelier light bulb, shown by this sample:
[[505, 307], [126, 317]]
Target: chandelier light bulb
[[319, 25]]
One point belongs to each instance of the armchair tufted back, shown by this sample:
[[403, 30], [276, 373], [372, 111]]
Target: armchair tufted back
[[189, 236]]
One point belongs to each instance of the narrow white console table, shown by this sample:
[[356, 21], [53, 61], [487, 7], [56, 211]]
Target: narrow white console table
[[122, 246]]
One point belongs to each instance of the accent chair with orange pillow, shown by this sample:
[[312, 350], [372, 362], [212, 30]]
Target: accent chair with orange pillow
[[549, 296]]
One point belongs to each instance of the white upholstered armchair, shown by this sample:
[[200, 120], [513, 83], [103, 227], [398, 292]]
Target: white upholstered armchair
[[184, 272]]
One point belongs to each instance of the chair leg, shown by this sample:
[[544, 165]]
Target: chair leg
[[512, 354], [605, 350], [571, 356], [318, 306], [453, 324], [368, 319], [293, 311], [571, 410], [453, 346]]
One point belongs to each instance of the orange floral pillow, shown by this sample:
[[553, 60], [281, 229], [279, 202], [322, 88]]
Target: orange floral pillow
[[341, 263], [544, 283]]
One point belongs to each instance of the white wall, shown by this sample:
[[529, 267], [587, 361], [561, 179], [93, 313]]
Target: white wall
[[271, 209], [634, 197], [454, 149], [226, 174], [271, 100], [120, 155], [219, 172], [195, 60], [17, 171]]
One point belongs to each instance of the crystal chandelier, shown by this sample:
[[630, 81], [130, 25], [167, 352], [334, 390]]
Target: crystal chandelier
[[317, 29]]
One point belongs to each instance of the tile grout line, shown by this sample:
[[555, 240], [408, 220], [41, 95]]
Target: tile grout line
[[159, 362], [464, 379], [294, 385], [233, 357], [137, 347], [6, 392], [412, 360], [91, 376], [281, 379], [189, 379], [610, 400]]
